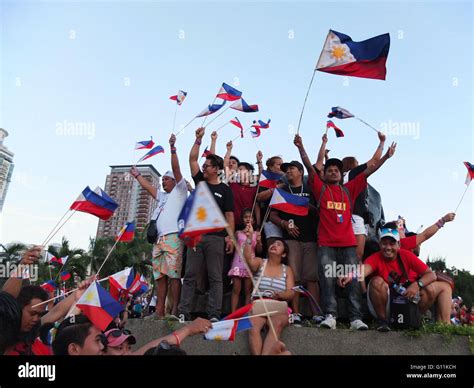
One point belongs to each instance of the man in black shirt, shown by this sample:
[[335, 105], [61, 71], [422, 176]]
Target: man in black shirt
[[300, 234], [210, 249]]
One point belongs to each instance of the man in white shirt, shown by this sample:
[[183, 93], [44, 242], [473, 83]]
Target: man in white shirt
[[168, 250]]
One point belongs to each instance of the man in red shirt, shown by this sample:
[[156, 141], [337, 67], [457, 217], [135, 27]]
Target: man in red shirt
[[384, 264], [337, 242]]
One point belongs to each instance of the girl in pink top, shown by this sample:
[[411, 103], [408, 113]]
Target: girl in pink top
[[238, 272]]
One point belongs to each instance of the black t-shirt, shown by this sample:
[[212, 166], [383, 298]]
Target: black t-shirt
[[308, 225], [223, 196], [360, 203]]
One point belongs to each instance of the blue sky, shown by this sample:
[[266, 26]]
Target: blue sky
[[111, 66]]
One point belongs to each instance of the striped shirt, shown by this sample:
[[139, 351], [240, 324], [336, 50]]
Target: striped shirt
[[268, 283]]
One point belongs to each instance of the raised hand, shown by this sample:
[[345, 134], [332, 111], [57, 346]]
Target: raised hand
[[172, 140], [200, 133]]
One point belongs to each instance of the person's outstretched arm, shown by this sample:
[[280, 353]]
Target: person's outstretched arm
[[174, 160], [194, 153], [433, 229], [376, 165]]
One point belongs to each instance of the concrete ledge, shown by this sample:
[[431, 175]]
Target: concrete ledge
[[313, 341]]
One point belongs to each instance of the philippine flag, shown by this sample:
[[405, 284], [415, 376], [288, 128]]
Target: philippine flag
[[242, 106], [200, 215], [146, 144], [211, 109], [179, 98], [123, 281], [366, 59], [65, 276], [96, 202], [243, 312], [238, 124], [205, 153], [99, 306], [256, 132], [289, 203], [338, 131], [155, 151], [61, 261], [339, 113], [49, 286], [127, 233], [222, 331], [228, 93], [470, 172], [264, 125], [269, 179]]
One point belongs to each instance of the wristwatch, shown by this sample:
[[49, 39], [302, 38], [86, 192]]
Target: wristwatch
[[420, 284]]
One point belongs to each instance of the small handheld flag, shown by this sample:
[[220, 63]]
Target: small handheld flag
[[127, 233], [179, 98], [366, 59], [211, 109], [96, 202], [264, 125], [205, 153], [242, 106], [65, 276], [228, 93], [99, 306], [49, 286], [340, 113], [289, 203], [269, 179], [238, 124], [338, 131], [200, 215], [155, 151], [146, 144], [470, 172]]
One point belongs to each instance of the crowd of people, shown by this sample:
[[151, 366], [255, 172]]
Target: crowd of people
[[263, 258]]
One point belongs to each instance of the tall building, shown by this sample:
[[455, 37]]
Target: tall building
[[135, 203], [6, 168]]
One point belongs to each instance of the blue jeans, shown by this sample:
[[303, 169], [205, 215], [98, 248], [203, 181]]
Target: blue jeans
[[327, 256]]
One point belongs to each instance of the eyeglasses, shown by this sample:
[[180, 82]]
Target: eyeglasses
[[118, 332]]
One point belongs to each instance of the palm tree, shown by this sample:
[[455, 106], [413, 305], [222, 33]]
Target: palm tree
[[12, 252]]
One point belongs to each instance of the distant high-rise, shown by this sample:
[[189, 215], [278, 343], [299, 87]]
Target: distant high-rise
[[135, 203], [6, 168]]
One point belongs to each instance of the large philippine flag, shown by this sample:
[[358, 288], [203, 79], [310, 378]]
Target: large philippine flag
[[96, 202], [366, 59], [242, 106], [228, 93], [99, 306], [289, 203]]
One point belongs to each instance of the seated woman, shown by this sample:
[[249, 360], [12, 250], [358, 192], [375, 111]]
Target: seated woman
[[274, 281]]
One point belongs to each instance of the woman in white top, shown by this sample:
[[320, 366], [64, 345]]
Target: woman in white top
[[274, 280]]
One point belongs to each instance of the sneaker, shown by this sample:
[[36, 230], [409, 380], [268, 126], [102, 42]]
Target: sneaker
[[329, 322], [383, 326], [214, 320], [317, 319], [172, 317], [297, 319], [357, 324]]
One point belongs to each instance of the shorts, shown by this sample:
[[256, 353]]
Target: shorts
[[167, 257], [370, 305]]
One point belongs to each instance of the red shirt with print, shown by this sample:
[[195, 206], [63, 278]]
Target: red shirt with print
[[243, 198], [382, 267], [334, 232]]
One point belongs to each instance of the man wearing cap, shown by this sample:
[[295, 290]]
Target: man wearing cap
[[382, 267], [299, 232], [337, 243], [168, 249]]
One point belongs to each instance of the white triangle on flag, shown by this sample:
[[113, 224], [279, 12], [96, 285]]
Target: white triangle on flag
[[334, 53], [205, 213]]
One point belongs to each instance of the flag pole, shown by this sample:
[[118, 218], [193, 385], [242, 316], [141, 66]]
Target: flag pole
[[304, 103], [214, 118], [264, 219], [55, 226], [222, 126], [239, 249], [238, 137], [67, 293], [174, 118], [182, 129], [56, 232], [459, 204], [370, 126], [117, 239]]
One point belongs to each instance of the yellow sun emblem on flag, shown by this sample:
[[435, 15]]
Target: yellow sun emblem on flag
[[218, 338], [201, 214], [338, 52]]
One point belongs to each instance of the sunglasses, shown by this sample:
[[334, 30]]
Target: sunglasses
[[118, 332], [388, 230]]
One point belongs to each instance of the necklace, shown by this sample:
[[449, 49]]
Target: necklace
[[291, 190]]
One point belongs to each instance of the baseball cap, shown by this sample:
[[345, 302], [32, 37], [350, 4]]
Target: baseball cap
[[387, 232], [293, 163], [116, 337]]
